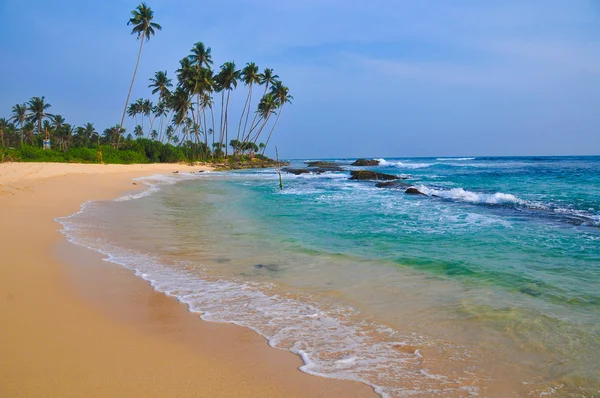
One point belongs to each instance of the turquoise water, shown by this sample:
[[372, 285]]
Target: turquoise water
[[487, 285]]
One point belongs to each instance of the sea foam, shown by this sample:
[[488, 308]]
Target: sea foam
[[461, 194]]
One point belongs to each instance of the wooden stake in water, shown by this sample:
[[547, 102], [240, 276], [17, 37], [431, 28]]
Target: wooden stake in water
[[279, 169]]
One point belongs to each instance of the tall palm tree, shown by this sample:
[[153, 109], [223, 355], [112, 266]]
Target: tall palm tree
[[266, 108], [146, 112], [134, 110], [161, 85], [250, 76], [143, 26], [38, 107], [227, 80], [19, 116], [282, 96], [267, 78], [200, 56]]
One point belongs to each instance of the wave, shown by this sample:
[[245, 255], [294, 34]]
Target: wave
[[463, 195], [454, 159], [154, 183], [565, 214], [332, 341], [399, 164]]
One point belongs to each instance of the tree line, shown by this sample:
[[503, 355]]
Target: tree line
[[191, 115]]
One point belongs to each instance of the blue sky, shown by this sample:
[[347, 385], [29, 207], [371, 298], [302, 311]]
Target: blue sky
[[373, 79]]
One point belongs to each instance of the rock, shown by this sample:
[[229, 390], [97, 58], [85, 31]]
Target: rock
[[175, 172], [392, 184], [371, 175], [321, 164], [310, 170], [530, 292], [366, 162], [268, 267], [414, 191]]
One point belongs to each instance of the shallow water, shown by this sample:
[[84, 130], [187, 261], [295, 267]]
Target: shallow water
[[488, 285]]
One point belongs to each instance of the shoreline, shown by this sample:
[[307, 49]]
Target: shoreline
[[73, 323]]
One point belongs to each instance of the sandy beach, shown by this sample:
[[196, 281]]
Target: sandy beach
[[74, 325]]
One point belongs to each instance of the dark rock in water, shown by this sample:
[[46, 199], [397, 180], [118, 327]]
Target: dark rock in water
[[311, 170], [371, 175], [175, 172], [414, 191], [529, 291], [392, 185], [321, 164], [366, 162], [268, 267]]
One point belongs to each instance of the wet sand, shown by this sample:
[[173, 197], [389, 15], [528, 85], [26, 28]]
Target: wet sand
[[75, 325]]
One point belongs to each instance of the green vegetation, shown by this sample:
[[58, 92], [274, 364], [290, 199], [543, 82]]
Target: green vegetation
[[178, 126]]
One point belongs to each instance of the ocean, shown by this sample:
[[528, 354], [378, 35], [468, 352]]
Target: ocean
[[486, 285]]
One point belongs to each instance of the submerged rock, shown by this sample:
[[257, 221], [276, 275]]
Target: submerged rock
[[414, 191], [321, 164], [371, 175], [392, 184], [366, 162], [268, 267], [530, 292]]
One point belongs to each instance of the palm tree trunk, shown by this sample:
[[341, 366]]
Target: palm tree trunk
[[221, 127], [227, 126], [246, 105], [131, 86], [212, 118]]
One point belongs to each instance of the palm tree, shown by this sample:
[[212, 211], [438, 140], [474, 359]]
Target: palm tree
[[143, 26], [267, 78], [19, 116], [28, 129], [161, 84], [114, 134], [146, 108], [266, 108], [134, 110], [227, 80], [250, 76], [282, 96], [3, 127], [138, 131], [200, 56], [185, 74], [89, 132], [38, 107], [169, 133]]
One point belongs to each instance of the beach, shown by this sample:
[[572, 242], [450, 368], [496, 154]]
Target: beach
[[74, 325]]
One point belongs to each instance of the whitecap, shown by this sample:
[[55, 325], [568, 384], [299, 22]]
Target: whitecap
[[472, 197]]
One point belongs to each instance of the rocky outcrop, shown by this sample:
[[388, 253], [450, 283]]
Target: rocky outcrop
[[414, 191], [310, 170], [366, 162], [371, 175], [323, 165]]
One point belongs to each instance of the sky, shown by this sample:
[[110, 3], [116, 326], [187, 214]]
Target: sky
[[380, 78]]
